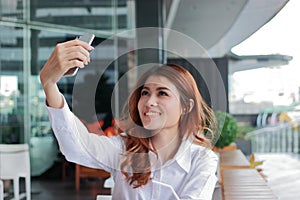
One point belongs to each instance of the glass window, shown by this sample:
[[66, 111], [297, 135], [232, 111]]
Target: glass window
[[11, 85], [24, 49], [12, 10], [93, 14]]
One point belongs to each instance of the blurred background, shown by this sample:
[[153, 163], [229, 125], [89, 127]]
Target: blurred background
[[251, 60]]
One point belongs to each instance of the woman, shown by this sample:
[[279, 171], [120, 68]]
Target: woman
[[162, 153]]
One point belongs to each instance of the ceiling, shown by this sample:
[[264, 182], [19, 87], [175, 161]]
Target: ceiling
[[241, 63], [217, 25]]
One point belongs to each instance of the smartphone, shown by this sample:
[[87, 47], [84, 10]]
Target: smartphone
[[88, 38]]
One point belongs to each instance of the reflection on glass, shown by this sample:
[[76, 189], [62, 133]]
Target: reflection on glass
[[8, 86], [96, 15], [24, 49], [41, 136], [11, 86], [12, 9]]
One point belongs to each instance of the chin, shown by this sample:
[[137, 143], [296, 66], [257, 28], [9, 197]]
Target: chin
[[152, 127]]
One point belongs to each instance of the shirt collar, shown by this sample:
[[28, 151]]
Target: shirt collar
[[183, 156]]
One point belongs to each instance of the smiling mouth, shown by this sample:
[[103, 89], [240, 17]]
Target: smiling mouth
[[152, 114]]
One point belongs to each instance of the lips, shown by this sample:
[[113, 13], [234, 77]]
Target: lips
[[152, 119], [152, 113]]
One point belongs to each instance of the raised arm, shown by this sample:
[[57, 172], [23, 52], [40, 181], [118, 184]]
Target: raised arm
[[75, 142], [65, 56]]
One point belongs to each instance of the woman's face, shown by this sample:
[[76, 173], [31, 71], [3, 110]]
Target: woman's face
[[159, 104]]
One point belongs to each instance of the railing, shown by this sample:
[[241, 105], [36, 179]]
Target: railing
[[283, 137]]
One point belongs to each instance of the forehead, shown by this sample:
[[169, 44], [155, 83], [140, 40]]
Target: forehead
[[160, 82]]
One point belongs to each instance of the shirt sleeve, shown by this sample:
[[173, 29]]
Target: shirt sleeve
[[80, 146], [202, 179]]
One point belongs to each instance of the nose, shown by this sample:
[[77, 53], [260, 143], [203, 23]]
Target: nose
[[152, 101]]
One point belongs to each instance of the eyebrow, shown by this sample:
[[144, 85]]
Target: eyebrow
[[159, 88]]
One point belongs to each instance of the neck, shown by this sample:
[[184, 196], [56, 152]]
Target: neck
[[166, 144]]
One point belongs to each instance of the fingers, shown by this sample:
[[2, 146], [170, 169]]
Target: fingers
[[77, 42], [74, 53], [80, 55], [73, 63], [65, 56]]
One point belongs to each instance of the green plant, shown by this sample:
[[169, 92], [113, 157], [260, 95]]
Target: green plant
[[227, 129], [243, 129]]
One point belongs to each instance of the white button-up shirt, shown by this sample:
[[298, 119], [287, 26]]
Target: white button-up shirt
[[191, 174]]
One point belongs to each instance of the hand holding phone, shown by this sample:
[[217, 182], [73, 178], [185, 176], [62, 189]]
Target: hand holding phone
[[88, 38]]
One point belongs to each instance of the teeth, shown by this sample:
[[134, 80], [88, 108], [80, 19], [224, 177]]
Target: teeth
[[151, 114]]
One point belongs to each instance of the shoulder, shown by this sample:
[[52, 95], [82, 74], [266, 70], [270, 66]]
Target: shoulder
[[203, 156], [117, 141]]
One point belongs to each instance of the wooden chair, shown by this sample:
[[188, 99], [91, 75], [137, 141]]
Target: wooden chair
[[86, 172]]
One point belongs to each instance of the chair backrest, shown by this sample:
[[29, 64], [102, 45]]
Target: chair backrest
[[14, 161]]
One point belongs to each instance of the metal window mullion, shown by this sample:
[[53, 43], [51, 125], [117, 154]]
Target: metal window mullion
[[26, 70], [116, 63]]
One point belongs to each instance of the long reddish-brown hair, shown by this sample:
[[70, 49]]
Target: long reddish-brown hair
[[198, 122]]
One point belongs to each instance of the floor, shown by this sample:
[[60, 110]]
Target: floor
[[64, 190], [50, 186], [282, 172]]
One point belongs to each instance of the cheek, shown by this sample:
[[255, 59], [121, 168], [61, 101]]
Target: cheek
[[140, 106], [174, 110], [177, 112]]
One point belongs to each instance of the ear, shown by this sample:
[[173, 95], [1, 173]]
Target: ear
[[189, 107]]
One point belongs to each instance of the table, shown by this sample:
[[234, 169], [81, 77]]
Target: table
[[239, 184], [233, 159]]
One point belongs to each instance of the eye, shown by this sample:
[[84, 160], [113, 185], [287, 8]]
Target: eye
[[144, 93], [162, 93]]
